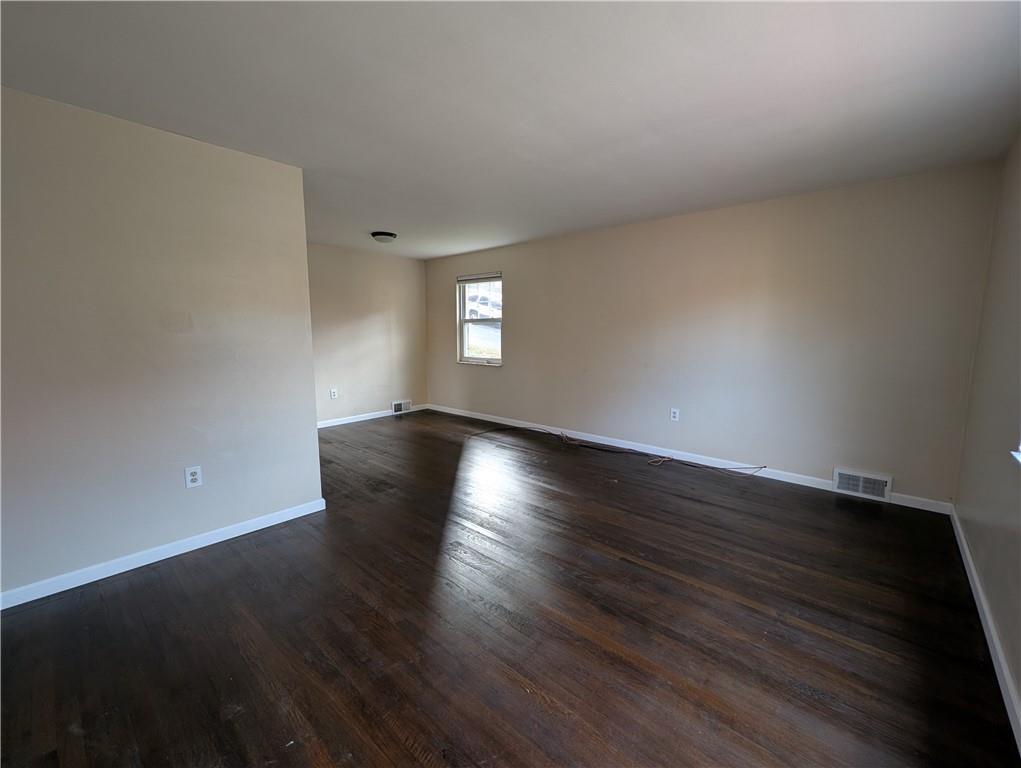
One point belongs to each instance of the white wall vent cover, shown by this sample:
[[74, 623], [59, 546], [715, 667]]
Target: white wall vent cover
[[401, 406], [868, 485]]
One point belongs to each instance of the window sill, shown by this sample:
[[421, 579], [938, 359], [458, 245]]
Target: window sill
[[480, 363]]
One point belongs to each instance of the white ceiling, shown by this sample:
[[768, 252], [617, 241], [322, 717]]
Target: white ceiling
[[464, 126]]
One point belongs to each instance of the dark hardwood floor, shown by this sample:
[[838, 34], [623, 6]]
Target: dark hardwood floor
[[506, 599]]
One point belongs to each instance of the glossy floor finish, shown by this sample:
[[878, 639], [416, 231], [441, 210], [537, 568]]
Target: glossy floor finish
[[511, 600]]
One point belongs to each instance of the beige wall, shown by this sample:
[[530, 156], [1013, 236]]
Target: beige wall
[[989, 506], [155, 316], [368, 329], [803, 332]]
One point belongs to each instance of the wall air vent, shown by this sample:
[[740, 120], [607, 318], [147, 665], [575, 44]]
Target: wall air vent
[[868, 485], [401, 406]]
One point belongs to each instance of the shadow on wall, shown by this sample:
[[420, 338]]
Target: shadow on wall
[[356, 357], [737, 362], [368, 329]]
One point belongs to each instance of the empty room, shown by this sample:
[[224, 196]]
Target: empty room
[[511, 384]]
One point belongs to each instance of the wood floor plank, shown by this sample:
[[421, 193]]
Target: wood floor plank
[[475, 595]]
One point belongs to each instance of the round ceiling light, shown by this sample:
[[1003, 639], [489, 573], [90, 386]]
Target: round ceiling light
[[384, 237]]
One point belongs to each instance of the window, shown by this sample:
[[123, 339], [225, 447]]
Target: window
[[480, 319]]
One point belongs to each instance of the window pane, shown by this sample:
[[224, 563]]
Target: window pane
[[483, 300], [482, 340]]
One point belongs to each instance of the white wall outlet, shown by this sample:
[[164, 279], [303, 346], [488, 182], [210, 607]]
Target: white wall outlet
[[333, 393], [192, 477], [675, 414]]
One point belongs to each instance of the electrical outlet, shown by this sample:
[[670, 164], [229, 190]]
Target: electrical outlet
[[333, 393], [675, 414], [192, 477]]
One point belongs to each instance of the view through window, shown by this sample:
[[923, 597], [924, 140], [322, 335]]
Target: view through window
[[480, 319]]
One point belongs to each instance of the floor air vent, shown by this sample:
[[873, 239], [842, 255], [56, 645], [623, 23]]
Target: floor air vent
[[866, 484], [401, 406]]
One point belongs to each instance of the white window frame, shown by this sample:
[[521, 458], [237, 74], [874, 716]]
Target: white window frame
[[462, 292]]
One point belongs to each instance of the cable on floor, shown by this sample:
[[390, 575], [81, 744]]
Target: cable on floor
[[654, 460]]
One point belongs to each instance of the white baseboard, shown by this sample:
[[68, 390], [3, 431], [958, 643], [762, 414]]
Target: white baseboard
[[823, 483], [73, 579], [365, 417], [1007, 686], [930, 505], [353, 419]]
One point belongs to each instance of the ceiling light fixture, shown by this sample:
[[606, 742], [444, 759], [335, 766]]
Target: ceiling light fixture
[[384, 237]]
